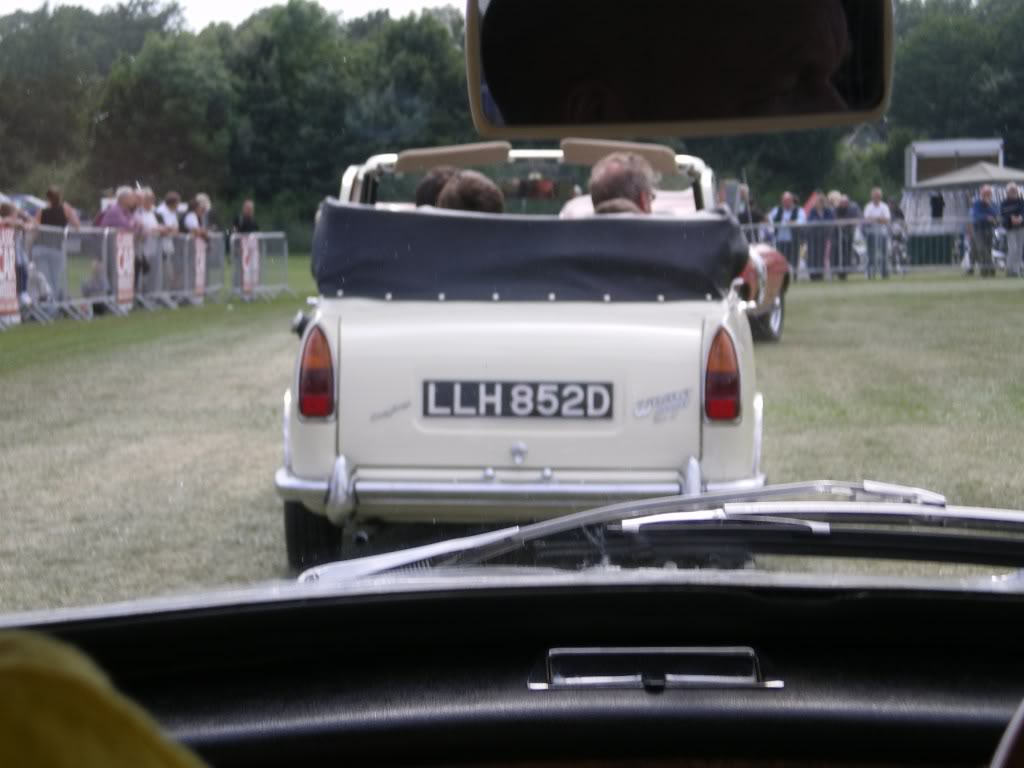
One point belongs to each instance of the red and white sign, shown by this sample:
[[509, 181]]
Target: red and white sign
[[125, 250], [199, 262], [250, 264], [9, 312]]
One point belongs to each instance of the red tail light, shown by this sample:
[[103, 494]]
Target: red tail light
[[722, 380], [316, 377]]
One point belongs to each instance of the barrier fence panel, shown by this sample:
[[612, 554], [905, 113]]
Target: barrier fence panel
[[195, 270], [259, 264], [87, 284], [120, 249], [826, 249], [177, 270], [48, 271], [150, 289], [10, 310], [215, 258], [939, 243]]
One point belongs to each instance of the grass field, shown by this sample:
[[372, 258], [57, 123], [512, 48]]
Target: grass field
[[137, 453]]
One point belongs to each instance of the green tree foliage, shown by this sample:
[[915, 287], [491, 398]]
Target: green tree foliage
[[52, 65], [293, 89], [165, 117], [413, 87], [278, 106]]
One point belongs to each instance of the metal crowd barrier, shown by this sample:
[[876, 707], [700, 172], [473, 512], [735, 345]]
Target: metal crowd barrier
[[216, 258], [826, 249], [259, 265], [46, 271], [12, 262]]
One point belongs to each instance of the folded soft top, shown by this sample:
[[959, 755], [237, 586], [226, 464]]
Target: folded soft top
[[413, 255]]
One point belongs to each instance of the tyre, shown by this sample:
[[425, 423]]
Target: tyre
[[311, 539], [768, 327]]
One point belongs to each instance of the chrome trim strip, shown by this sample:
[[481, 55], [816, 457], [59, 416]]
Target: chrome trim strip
[[758, 407], [874, 509], [694, 485], [746, 484], [287, 431], [388, 492], [341, 500], [922, 495], [535, 154], [312, 493]]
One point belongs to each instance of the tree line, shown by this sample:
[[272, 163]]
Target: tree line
[[277, 106]]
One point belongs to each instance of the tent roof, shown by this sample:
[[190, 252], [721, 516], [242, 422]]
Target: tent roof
[[973, 176]]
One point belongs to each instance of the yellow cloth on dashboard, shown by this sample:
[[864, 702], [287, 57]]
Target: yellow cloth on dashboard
[[58, 709]]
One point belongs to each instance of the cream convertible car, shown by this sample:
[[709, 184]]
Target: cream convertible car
[[477, 369]]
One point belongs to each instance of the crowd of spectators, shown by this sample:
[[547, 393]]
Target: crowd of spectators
[[821, 235], [39, 266], [986, 218]]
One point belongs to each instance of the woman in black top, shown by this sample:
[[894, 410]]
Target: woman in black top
[[57, 213]]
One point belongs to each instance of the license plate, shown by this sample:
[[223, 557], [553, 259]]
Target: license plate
[[517, 400]]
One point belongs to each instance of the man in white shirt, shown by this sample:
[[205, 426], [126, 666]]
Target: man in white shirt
[[876, 231], [782, 216], [193, 220]]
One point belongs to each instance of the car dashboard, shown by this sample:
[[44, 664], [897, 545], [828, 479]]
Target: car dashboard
[[753, 677]]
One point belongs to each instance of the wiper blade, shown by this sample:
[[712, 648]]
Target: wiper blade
[[484, 546], [723, 515], [346, 570], [795, 512]]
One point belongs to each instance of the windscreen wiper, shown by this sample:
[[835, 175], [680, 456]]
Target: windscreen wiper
[[705, 508]]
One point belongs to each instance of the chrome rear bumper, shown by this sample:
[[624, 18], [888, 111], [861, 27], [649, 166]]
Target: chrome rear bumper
[[547, 491], [544, 498]]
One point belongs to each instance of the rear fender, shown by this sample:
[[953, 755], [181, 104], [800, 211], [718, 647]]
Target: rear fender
[[311, 445], [728, 449]]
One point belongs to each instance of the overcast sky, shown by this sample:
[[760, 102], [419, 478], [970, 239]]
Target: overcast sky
[[199, 13]]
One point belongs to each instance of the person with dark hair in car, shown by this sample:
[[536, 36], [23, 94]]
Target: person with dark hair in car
[[471, 191], [430, 186], [623, 175], [618, 205]]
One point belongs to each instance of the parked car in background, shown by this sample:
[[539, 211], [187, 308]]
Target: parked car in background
[[766, 280], [30, 204]]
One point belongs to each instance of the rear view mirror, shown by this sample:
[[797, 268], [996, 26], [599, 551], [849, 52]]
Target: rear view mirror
[[539, 68]]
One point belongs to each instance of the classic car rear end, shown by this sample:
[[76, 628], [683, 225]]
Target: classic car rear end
[[422, 394]]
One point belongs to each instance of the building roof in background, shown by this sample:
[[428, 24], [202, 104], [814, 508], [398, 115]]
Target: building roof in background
[[973, 176], [952, 147]]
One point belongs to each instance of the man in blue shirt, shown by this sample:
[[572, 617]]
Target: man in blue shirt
[[1012, 212], [984, 220]]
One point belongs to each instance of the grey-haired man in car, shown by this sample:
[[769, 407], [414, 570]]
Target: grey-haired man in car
[[625, 175]]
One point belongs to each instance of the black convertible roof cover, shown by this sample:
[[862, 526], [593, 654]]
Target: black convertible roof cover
[[361, 251]]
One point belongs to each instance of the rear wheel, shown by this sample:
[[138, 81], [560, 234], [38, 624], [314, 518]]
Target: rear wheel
[[768, 327], [311, 539]]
